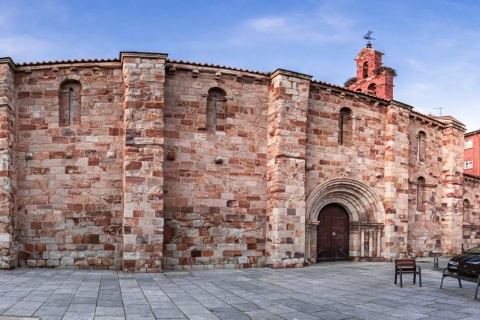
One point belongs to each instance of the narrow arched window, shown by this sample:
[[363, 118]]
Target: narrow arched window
[[372, 89], [70, 103], [421, 193], [216, 109], [421, 142], [345, 126], [365, 70]]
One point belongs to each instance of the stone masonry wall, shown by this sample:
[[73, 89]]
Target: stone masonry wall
[[359, 157], [471, 212], [362, 158], [396, 180], [215, 198], [287, 125], [452, 185], [143, 84], [117, 164], [69, 211], [8, 252], [424, 219]]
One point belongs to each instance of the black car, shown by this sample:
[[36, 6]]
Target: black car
[[467, 263]]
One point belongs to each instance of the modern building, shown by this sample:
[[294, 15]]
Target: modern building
[[472, 153]]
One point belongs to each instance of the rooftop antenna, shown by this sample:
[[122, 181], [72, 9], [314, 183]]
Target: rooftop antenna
[[368, 37], [439, 109]]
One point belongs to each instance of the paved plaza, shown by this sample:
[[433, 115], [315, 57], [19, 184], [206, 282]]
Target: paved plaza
[[335, 290]]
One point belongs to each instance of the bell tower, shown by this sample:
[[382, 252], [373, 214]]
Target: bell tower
[[372, 77]]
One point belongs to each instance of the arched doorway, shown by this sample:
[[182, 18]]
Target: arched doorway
[[365, 217], [332, 233]]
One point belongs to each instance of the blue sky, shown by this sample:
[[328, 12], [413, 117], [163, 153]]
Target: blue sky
[[434, 45]]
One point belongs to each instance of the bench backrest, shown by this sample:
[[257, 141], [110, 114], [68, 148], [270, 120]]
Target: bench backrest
[[406, 264]]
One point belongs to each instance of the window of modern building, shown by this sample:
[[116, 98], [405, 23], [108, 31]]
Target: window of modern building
[[421, 184], [421, 146], [216, 109], [468, 144], [468, 164], [70, 103], [345, 126]]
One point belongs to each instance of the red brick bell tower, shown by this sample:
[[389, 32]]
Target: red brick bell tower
[[372, 77]]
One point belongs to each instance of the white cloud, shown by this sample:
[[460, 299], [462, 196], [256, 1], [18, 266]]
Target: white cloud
[[295, 27], [416, 64], [267, 24]]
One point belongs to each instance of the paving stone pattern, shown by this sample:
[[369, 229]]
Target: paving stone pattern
[[337, 290]]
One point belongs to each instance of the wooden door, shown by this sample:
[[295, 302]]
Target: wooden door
[[332, 234]]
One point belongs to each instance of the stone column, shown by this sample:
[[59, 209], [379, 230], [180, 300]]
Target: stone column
[[370, 243], [8, 254], [452, 185], [396, 179], [310, 241], [379, 243], [287, 122], [362, 243], [143, 84]]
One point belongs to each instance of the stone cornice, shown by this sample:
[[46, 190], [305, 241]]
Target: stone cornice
[[471, 178], [426, 120], [472, 133], [401, 104], [454, 123], [204, 68], [290, 74], [73, 64], [148, 55], [8, 61]]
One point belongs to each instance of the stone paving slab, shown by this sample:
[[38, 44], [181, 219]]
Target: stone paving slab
[[335, 290], [17, 318]]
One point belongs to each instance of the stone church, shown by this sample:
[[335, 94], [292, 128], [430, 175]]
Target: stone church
[[145, 164]]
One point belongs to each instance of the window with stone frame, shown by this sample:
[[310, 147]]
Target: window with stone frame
[[216, 109], [70, 107], [345, 129], [421, 146], [468, 164], [421, 193]]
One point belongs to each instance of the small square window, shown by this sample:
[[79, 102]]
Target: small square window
[[469, 164], [468, 144]]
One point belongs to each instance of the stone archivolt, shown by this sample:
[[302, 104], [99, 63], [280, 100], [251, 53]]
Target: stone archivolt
[[361, 202]]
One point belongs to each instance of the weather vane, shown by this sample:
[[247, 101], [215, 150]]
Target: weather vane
[[368, 37]]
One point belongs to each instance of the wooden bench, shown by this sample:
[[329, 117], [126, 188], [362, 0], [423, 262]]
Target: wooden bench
[[407, 266], [447, 273]]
